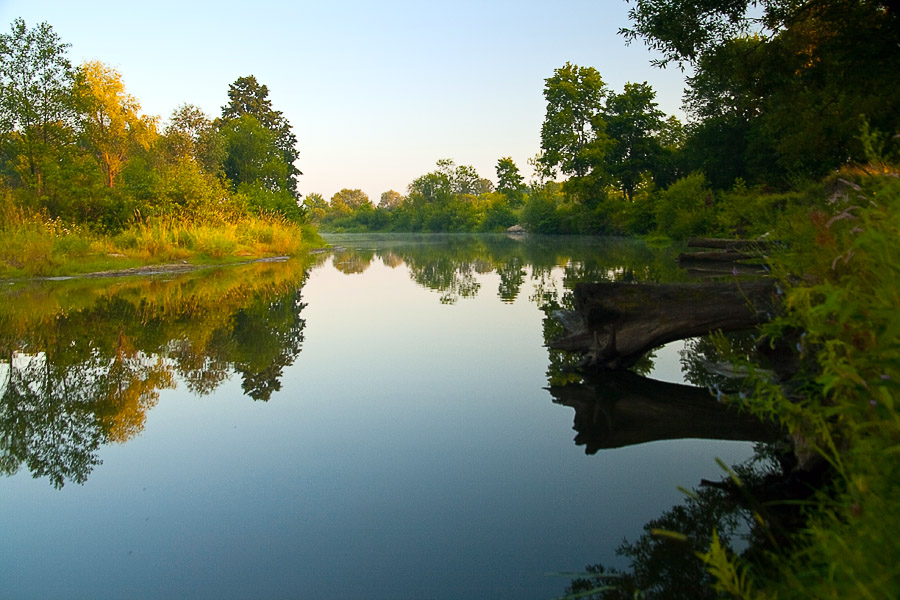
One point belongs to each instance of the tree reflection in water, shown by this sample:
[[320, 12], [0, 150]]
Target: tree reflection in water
[[85, 360], [749, 511], [664, 561], [449, 264]]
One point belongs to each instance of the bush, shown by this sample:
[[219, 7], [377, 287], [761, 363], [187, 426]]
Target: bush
[[686, 208]]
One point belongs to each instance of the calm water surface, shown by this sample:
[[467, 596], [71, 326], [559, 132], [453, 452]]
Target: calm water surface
[[374, 423]]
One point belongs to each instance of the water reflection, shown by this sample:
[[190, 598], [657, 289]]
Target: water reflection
[[450, 264], [664, 560], [622, 408], [85, 360], [424, 426]]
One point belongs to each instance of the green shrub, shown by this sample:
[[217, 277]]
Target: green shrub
[[686, 208]]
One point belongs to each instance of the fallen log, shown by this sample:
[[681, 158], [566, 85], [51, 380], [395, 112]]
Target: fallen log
[[727, 256], [622, 409], [735, 245], [718, 269], [615, 323]]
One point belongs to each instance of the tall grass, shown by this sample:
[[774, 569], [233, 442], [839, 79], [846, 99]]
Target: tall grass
[[32, 244], [840, 281]]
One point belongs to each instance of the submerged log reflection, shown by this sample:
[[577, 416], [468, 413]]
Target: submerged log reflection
[[620, 408]]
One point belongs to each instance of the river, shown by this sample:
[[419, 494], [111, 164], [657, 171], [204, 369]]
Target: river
[[374, 422]]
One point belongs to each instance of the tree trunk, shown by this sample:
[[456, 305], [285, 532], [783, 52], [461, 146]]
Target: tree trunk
[[614, 324]]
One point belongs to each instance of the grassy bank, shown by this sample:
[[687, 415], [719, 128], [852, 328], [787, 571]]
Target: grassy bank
[[35, 245], [841, 318], [823, 523]]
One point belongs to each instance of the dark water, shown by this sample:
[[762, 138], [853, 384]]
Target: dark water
[[374, 423]]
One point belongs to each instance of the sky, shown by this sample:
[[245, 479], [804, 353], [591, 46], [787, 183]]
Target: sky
[[376, 92]]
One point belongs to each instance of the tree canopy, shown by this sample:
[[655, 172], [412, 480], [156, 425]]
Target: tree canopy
[[247, 97], [75, 145]]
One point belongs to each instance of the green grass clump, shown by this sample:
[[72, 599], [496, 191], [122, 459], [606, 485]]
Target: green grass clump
[[35, 245], [840, 282]]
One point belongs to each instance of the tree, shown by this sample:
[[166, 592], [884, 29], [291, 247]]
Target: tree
[[683, 31], [191, 134], [350, 201], [316, 206], [466, 180], [632, 122], [251, 156], [777, 91], [391, 200], [573, 136], [111, 121], [246, 96], [510, 182], [37, 109]]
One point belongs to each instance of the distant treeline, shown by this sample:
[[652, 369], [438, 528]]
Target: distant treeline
[[775, 101]]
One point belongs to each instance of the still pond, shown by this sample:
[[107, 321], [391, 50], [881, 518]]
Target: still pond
[[375, 422]]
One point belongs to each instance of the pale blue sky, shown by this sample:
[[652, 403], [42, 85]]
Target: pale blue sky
[[377, 92]]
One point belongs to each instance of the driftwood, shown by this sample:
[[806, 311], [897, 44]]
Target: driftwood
[[614, 324], [714, 269], [622, 409], [734, 245], [726, 256], [728, 250]]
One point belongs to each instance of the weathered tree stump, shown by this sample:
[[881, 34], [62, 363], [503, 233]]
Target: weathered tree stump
[[622, 409], [614, 324]]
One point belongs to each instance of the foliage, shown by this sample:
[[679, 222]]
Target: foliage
[[838, 280], [778, 91], [633, 122], [686, 207], [37, 109], [573, 135], [191, 134], [112, 126], [77, 158], [510, 182], [248, 98]]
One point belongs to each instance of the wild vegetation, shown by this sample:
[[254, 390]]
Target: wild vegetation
[[795, 134], [88, 181], [779, 96]]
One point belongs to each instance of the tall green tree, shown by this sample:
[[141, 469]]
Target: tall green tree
[[252, 156], [633, 122], [37, 108], [778, 87], [191, 134], [573, 135], [246, 96], [510, 182]]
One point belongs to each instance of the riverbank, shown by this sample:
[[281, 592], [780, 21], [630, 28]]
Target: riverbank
[[31, 246]]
